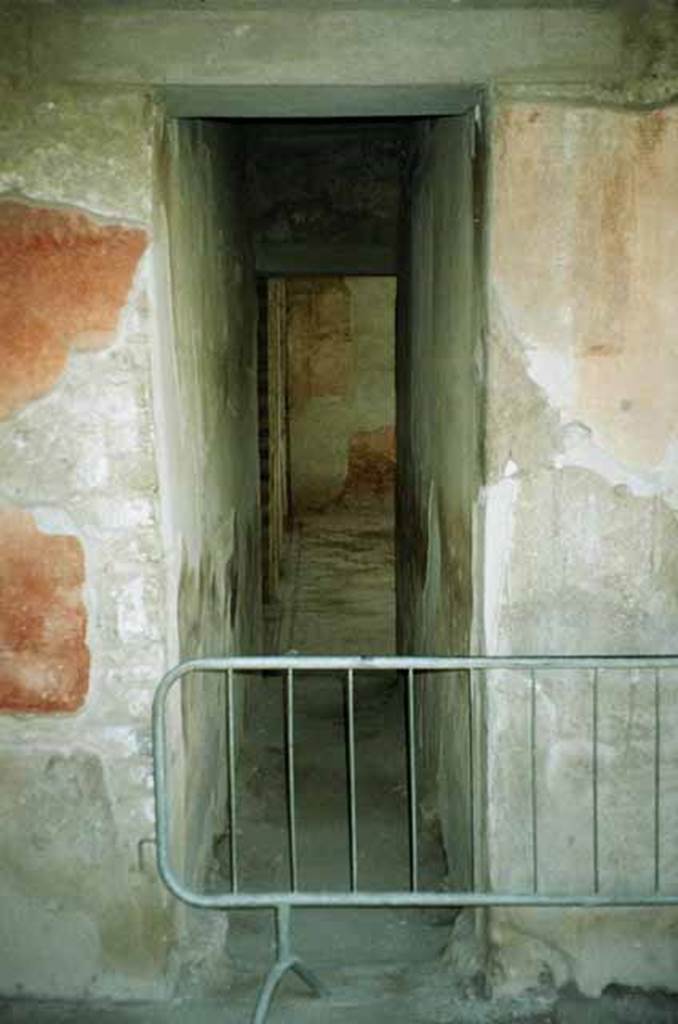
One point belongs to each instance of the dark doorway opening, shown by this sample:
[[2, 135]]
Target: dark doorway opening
[[359, 239]]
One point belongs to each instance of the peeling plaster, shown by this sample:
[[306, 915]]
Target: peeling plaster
[[553, 372], [588, 292], [81, 460], [580, 450]]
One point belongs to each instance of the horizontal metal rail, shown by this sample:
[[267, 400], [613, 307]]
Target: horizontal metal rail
[[291, 670], [388, 663], [417, 900]]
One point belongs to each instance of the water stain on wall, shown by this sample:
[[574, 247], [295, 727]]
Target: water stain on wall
[[371, 463]]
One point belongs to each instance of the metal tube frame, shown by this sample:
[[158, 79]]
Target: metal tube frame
[[285, 962], [283, 902]]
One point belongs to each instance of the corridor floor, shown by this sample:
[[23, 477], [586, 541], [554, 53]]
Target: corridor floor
[[337, 597], [338, 588]]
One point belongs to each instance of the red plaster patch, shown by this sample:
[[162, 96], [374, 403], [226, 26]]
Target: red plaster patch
[[44, 660], [63, 282]]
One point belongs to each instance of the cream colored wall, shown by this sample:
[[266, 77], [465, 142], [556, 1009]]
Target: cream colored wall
[[340, 342], [580, 521]]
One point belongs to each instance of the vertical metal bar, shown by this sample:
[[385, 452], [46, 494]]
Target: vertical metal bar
[[594, 782], [352, 823], [412, 782], [160, 777], [283, 913], [657, 779], [289, 772], [533, 780], [232, 798], [472, 775]]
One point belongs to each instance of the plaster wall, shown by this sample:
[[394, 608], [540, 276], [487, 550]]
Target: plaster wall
[[130, 371], [580, 523], [81, 550], [340, 341], [207, 410], [249, 43], [438, 473]]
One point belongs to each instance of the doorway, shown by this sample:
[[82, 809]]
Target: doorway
[[362, 235]]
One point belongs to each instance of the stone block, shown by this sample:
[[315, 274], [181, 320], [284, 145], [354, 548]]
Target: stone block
[[76, 916]]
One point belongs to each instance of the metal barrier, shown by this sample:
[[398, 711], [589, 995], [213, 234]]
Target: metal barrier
[[282, 902]]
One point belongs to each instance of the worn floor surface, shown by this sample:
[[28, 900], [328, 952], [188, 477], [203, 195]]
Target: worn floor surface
[[343, 1008], [381, 966], [337, 597]]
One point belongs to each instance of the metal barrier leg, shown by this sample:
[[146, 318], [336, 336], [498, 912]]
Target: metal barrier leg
[[285, 961]]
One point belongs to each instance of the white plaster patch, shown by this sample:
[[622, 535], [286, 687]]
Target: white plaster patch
[[120, 411], [91, 470], [499, 503], [114, 514], [132, 616], [54, 521], [133, 321], [581, 451], [139, 703], [554, 372], [118, 406]]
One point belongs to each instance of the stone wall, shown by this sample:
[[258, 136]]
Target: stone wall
[[340, 339], [82, 601], [580, 521], [129, 390], [438, 467]]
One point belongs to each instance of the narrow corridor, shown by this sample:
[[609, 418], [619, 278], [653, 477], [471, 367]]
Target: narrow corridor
[[337, 597]]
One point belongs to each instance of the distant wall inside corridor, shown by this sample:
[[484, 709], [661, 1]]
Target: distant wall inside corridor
[[340, 342]]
